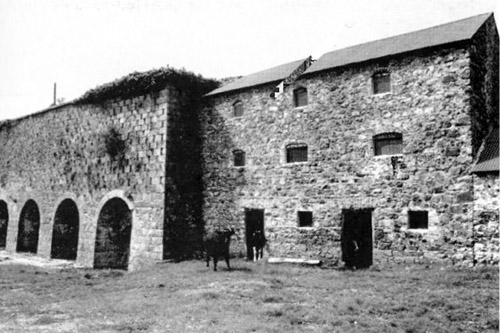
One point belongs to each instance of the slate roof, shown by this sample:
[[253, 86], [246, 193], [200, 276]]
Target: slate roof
[[488, 160], [275, 74], [456, 31]]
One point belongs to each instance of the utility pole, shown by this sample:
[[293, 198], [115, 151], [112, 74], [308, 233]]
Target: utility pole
[[55, 94]]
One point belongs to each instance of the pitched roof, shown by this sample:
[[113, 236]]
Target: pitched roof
[[488, 160], [275, 74], [456, 31]]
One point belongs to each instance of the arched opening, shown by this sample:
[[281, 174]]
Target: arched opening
[[112, 243], [29, 225], [4, 222], [65, 231]]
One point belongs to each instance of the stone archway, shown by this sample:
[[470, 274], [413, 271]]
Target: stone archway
[[114, 228], [4, 222], [65, 231], [29, 226]]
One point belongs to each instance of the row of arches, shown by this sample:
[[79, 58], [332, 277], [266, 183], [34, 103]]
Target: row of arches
[[113, 234]]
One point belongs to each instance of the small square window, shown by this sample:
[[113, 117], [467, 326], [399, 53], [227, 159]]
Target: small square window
[[381, 82], [418, 220], [300, 97], [239, 158], [296, 153], [305, 219]]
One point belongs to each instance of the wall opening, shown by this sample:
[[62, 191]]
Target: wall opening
[[114, 228], [254, 232], [305, 219], [418, 219], [65, 231], [356, 238], [4, 222], [296, 152], [29, 226]]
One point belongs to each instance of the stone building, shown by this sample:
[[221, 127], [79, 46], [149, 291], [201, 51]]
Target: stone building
[[110, 180], [367, 153], [385, 150]]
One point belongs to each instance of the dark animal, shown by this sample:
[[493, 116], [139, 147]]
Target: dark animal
[[217, 245], [257, 242]]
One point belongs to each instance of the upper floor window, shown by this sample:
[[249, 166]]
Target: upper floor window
[[300, 97], [305, 219], [418, 220], [296, 152], [238, 109], [381, 82], [239, 158], [388, 144]]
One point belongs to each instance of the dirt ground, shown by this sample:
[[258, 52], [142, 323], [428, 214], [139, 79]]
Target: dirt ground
[[39, 295]]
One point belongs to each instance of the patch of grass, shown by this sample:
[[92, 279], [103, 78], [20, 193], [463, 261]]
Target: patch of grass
[[256, 297]]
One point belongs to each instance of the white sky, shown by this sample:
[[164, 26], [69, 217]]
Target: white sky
[[85, 43]]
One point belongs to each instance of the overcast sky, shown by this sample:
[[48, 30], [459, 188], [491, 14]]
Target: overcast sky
[[85, 43]]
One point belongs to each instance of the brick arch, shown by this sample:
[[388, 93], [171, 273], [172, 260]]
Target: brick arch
[[114, 231], [65, 230], [389, 129], [29, 227]]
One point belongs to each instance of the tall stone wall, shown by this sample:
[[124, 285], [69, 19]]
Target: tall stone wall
[[486, 218], [428, 104], [69, 152]]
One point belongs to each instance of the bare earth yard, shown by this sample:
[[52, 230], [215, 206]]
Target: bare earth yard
[[253, 297]]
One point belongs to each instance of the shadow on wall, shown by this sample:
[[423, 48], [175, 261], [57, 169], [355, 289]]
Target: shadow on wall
[[29, 226], [4, 222], [183, 223], [221, 180], [65, 231], [114, 227]]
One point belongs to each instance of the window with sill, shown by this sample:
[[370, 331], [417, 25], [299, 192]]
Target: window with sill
[[238, 109], [305, 219], [296, 152], [388, 144], [239, 158], [300, 97], [381, 82], [418, 220]]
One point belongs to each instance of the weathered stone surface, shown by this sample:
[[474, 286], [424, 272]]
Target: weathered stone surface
[[429, 104]]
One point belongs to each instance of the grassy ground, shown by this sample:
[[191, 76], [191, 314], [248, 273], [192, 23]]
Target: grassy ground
[[188, 297]]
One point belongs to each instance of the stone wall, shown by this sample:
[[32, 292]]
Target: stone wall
[[486, 218], [64, 153], [428, 104]]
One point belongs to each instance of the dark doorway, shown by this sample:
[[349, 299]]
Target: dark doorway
[[254, 221], [356, 242], [112, 243], [65, 231], [29, 225], [4, 222]]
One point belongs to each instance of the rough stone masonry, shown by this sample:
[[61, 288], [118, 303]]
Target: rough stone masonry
[[138, 169]]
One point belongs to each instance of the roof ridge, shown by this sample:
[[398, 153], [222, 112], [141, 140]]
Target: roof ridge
[[409, 32], [446, 33]]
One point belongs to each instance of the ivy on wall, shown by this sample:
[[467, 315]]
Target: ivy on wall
[[138, 84], [115, 145]]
